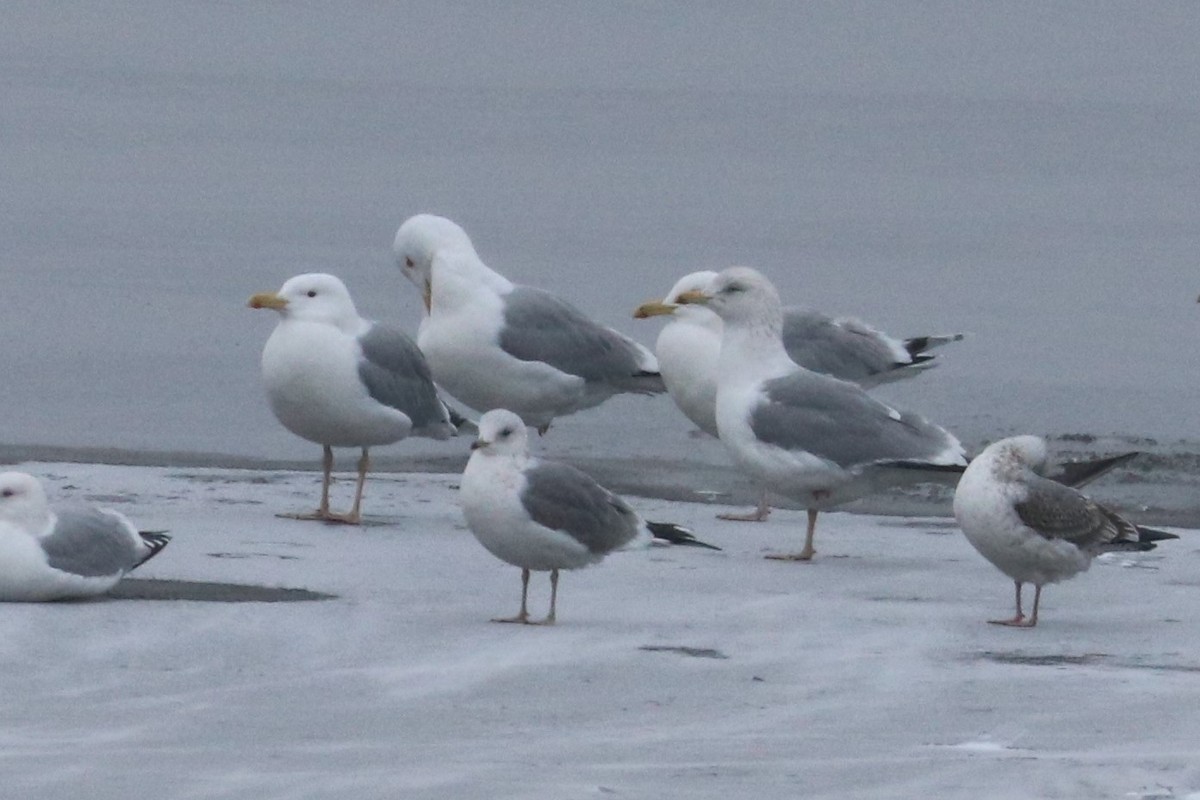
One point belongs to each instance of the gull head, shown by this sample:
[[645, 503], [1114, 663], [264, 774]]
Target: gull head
[[23, 501], [1015, 454], [313, 297], [671, 306], [501, 432], [418, 242], [739, 296]]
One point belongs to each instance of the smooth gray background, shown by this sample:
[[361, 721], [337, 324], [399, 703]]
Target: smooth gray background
[[1026, 172]]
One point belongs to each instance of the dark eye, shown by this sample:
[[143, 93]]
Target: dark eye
[[408, 262], [7, 493], [505, 433], [734, 288], [312, 292]]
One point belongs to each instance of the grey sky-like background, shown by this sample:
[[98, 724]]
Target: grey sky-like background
[[1026, 172]]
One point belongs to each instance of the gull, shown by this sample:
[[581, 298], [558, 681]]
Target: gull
[[821, 440], [69, 553], [544, 515], [689, 346], [1033, 529], [494, 344], [339, 380]]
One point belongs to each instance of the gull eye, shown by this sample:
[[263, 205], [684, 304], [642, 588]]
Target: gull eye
[[7, 493], [734, 288], [506, 432], [408, 262], [312, 292]]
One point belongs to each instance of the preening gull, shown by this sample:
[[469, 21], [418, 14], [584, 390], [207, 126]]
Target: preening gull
[[494, 344], [1033, 529], [339, 380], [64, 554], [543, 515], [690, 343], [821, 440]]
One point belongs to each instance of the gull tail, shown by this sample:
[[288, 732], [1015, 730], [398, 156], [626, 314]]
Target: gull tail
[[1078, 473], [155, 541], [1147, 537], [919, 344], [670, 533]]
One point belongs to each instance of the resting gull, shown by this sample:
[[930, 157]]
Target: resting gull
[[1034, 529], [821, 440], [339, 380], [690, 343], [69, 553], [543, 515], [494, 344]]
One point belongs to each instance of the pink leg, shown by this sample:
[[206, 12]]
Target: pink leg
[[1019, 621], [759, 514], [523, 616], [808, 551]]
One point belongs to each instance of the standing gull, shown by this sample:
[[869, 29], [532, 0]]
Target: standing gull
[[821, 440], [544, 515], [494, 344], [70, 553], [339, 380], [1034, 529], [689, 346]]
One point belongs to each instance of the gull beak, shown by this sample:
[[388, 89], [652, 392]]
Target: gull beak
[[478, 443], [267, 300], [655, 308], [694, 297]]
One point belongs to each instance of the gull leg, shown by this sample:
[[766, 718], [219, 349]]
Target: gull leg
[[759, 514], [522, 617], [1018, 621], [322, 512], [355, 515], [549, 620], [808, 551]]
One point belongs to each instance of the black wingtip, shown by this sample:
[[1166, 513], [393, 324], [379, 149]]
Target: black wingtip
[[1079, 473], [675, 534], [1151, 535], [156, 541]]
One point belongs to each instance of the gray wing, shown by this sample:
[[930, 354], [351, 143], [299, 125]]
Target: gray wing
[[397, 375], [846, 349], [1059, 512], [90, 543], [541, 327], [563, 498], [839, 422]]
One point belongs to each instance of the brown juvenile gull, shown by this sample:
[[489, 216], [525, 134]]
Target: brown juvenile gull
[[1033, 529]]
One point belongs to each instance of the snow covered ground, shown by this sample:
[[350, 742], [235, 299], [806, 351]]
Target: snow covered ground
[[673, 672]]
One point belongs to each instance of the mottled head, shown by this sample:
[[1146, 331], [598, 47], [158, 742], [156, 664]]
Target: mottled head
[[670, 305], [1019, 452], [501, 433], [740, 296], [23, 501], [419, 240], [313, 297]]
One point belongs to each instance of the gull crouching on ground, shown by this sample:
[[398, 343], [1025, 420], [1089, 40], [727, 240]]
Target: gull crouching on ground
[[339, 380], [546, 516], [494, 344], [820, 440], [1033, 529], [48, 554], [689, 346]]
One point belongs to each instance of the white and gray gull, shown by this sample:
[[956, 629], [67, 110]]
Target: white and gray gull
[[543, 515], [68, 553], [689, 347], [339, 380], [1034, 529], [494, 344], [817, 439]]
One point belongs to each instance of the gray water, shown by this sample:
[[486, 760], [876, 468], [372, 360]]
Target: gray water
[[1024, 172]]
